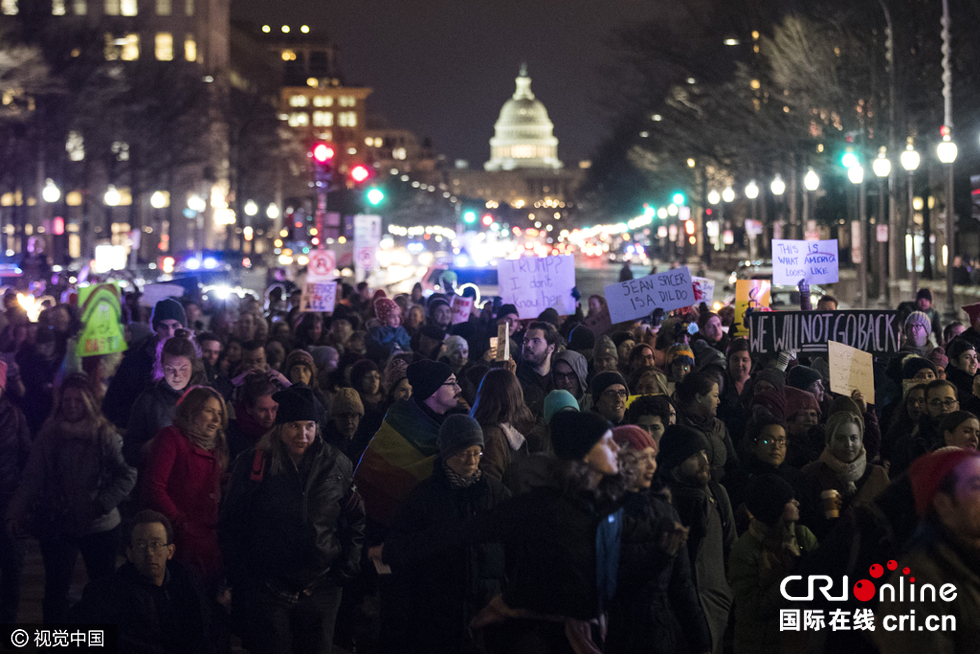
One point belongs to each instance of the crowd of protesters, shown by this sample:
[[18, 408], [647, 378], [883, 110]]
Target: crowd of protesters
[[386, 479]]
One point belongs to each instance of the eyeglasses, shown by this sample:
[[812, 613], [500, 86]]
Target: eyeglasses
[[153, 546], [614, 393], [467, 456], [563, 375], [940, 404], [781, 442], [915, 402], [451, 383]]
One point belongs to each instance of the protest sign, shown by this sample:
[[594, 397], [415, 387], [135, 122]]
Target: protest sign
[[637, 298], [851, 370], [319, 296], [502, 350], [751, 295], [704, 289], [878, 332], [535, 284], [461, 306], [101, 330], [814, 261], [322, 266]]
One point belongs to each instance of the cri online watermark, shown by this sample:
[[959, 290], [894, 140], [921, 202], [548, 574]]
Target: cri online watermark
[[864, 590]]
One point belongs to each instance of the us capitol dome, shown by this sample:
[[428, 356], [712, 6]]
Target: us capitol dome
[[523, 135]]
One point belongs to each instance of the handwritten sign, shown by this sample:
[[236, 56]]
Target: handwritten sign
[[322, 266], [501, 350], [461, 306], [751, 295], [535, 284], [102, 332], [637, 298], [704, 289], [319, 296], [878, 332], [851, 370], [814, 261]]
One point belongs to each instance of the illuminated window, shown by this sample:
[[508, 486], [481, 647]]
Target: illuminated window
[[75, 146], [164, 46], [298, 101], [323, 101], [322, 119], [111, 48], [163, 8], [347, 101], [121, 150], [8, 7], [189, 7], [299, 119], [111, 7], [523, 152], [80, 7], [58, 8], [128, 7], [347, 119], [131, 47], [288, 55], [325, 136], [399, 153], [190, 48]]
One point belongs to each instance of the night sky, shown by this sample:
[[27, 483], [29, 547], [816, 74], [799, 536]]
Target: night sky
[[443, 68]]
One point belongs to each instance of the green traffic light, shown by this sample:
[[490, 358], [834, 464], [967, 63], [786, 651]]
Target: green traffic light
[[375, 196], [679, 199], [469, 217]]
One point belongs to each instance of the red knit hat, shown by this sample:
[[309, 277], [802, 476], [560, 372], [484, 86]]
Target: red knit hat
[[634, 437], [797, 400], [928, 471], [383, 308]]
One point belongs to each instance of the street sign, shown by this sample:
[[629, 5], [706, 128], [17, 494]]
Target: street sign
[[367, 238], [322, 266]]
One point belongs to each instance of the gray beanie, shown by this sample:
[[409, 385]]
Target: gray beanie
[[458, 432]]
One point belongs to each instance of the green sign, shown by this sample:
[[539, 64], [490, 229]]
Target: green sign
[[102, 333]]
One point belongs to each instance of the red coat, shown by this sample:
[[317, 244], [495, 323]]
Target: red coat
[[183, 482]]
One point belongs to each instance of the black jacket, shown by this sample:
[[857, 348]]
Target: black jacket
[[152, 411], [751, 467], [295, 528], [446, 590], [169, 619], [963, 382], [655, 596], [15, 449], [133, 376]]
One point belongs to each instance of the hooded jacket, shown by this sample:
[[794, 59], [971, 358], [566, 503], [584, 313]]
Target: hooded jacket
[[579, 366]]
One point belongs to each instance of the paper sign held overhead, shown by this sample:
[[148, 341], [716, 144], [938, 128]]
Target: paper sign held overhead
[[535, 284], [878, 332], [323, 263], [751, 295], [319, 296], [461, 306], [502, 350], [704, 289], [637, 298], [100, 312], [851, 370], [815, 261]]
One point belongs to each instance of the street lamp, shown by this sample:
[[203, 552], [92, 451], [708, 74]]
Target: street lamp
[[112, 197], [196, 203], [856, 176], [946, 151], [714, 197], [752, 190], [728, 195], [910, 161], [882, 168], [251, 208], [778, 186], [811, 181], [50, 193], [272, 212], [158, 200]]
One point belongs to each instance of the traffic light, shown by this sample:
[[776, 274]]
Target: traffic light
[[322, 155], [469, 217], [375, 196], [679, 199], [359, 173], [487, 220]]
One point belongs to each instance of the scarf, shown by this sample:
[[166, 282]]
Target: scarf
[[514, 438], [848, 473], [457, 481], [202, 441]]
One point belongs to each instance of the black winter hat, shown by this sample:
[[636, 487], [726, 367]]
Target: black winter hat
[[924, 294], [956, 349], [507, 309], [458, 432], [551, 316], [678, 444], [581, 338], [168, 309], [573, 434], [604, 380], [913, 365], [767, 496], [802, 377], [295, 403], [426, 377]]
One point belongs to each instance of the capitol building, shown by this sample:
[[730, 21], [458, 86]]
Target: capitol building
[[523, 134]]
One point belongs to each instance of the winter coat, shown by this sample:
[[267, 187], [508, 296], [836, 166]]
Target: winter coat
[[183, 482], [821, 477], [152, 411], [755, 580], [936, 557], [751, 467], [382, 342], [133, 376], [707, 511], [15, 449], [580, 366], [170, 619], [38, 373], [655, 599], [295, 528], [498, 454], [963, 382], [77, 476], [535, 388], [447, 589], [721, 451]]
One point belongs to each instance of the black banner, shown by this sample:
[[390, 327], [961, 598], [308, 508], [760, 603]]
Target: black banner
[[807, 332]]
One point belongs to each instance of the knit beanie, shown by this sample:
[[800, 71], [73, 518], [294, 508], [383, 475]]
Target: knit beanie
[[426, 377], [299, 357], [383, 308], [458, 432], [556, 401], [347, 400], [924, 294], [767, 496], [679, 351], [797, 401], [771, 375], [914, 365], [939, 358], [581, 339], [168, 309], [453, 345], [395, 371], [802, 377], [634, 438], [434, 303], [928, 472], [359, 371], [507, 309], [678, 444], [604, 347], [918, 318], [773, 400], [959, 345], [604, 380], [573, 434], [295, 403]]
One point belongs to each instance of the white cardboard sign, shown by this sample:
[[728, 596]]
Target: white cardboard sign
[[637, 298], [461, 306], [815, 261], [319, 296], [851, 370], [704, 290], [534, 284]]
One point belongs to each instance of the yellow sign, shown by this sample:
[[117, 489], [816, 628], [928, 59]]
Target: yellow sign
[[102, 333], [750, 294]]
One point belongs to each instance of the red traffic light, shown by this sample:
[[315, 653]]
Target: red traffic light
[[322, 153], [359, 173], [488, 220]]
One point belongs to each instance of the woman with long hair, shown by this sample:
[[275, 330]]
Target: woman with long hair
[[503, 414], [182, 475], [74, 481]]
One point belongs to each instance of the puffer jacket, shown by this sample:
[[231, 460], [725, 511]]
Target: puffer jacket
[[295, 528], [80, 468], [152, 411], [721, 452], [15, 449]]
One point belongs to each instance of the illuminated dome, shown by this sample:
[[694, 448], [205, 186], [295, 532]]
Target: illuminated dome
[[523, 133]]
